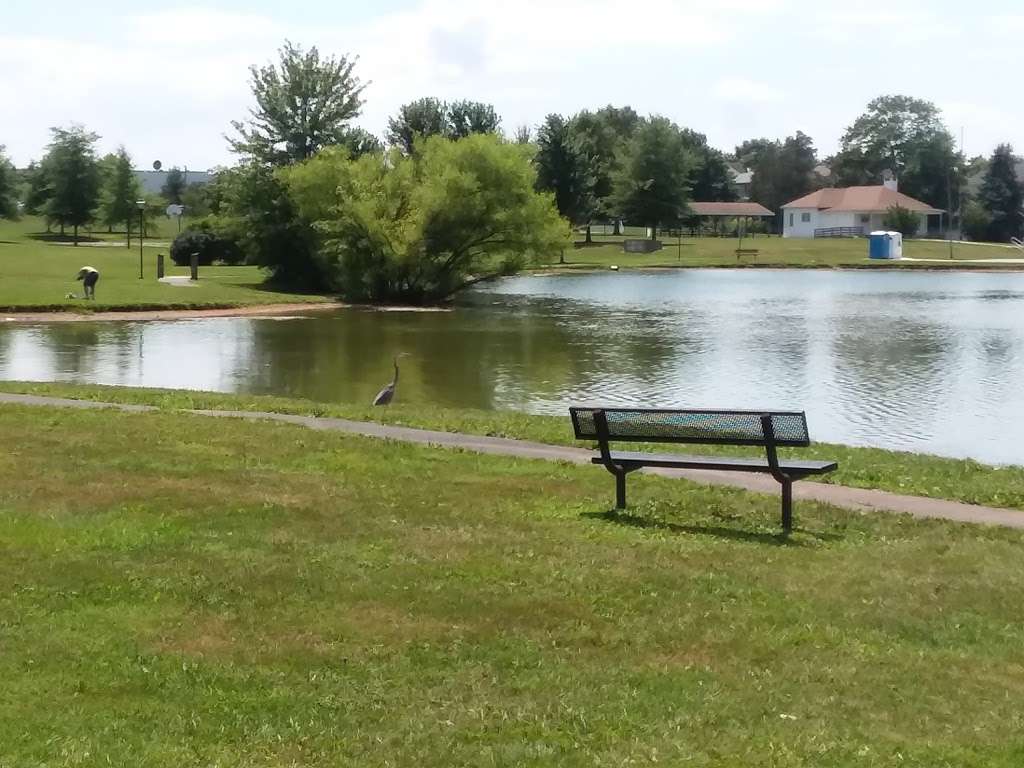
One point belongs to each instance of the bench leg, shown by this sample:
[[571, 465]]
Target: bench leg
[[787, 506], [620, 490]]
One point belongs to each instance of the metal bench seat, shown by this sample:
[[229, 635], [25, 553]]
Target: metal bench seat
[[725, 463]]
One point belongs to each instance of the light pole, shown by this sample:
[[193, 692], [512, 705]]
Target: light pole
[[141, 205]]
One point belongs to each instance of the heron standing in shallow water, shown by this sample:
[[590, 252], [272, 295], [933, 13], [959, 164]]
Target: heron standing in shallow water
[[386, 395]]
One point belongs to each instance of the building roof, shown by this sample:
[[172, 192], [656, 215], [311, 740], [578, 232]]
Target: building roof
[[729, 209], [860, 200], [744, 177]]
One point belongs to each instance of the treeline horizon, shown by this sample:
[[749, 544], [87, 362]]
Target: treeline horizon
[[607, 164]]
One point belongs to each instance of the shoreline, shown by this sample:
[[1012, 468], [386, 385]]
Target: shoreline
[[253, 310], [29, 315]]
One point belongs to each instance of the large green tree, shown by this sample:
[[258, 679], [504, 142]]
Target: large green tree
[[566, 170], [710, 178], [303, 104], [652, 186], [603, 135], [120, 190], [783, 170], [904, 135], [255, 210], [1002, 196], [37, 189], [361, 142], [468, 117], [173, 186], [420, 227], [8, 188], [418, 119], [427, 117], [74, 177]]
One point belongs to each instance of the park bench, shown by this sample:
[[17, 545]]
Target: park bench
[[741, 252], [767, 429]]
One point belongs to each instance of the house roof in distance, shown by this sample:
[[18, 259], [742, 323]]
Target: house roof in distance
[[860, 200], [729, 209]]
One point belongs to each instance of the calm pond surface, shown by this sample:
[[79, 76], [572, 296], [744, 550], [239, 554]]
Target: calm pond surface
[[928, 362]]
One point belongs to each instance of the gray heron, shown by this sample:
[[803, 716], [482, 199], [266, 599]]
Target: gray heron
[[386, 395]]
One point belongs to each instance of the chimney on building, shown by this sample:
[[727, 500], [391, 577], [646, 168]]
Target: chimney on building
[[889, 181]]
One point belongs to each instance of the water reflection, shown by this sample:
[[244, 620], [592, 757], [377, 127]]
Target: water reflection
[[918, 361]]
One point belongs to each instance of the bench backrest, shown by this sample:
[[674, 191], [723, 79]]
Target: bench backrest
[[714, 427]]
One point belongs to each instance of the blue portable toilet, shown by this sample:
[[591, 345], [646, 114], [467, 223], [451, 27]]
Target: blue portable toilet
[[878, 245], [885, 245]]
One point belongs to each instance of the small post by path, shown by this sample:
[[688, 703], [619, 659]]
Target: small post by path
[[159, 266], [194, 264]]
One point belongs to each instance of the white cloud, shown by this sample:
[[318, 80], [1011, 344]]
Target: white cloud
[[167, 83], [192, 26], [740, 90]]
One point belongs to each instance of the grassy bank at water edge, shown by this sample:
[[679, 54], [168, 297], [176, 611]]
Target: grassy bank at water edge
[[900, 472]]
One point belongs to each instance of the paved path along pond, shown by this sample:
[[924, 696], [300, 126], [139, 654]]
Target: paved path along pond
[[923, 361], [861, 499]]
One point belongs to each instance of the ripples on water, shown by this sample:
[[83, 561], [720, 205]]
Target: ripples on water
[[919, 361]]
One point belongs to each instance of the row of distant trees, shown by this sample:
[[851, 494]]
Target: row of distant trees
[[72, 187], [299, 146]]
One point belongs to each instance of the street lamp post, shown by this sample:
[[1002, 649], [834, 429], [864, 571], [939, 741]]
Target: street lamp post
[[141, 205]]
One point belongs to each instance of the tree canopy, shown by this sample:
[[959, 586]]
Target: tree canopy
[[710, 179], [418, 228], [8, 188], [428, 116], [361, 142], [1002, 196], [783, 170], [566, 169], [303, 104], [418, 119], [468, 117], [173, 186], [603, 135], [652, 186], [73, 176], [120, 189], [904, 135]]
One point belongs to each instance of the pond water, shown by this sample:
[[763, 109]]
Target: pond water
[[919, 361]]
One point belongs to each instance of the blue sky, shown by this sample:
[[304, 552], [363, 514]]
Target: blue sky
[[166, 80]]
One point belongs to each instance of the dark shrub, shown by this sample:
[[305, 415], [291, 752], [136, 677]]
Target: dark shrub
[[209, 246]]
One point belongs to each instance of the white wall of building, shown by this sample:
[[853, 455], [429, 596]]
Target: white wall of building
[[800, 222], [868, 222]]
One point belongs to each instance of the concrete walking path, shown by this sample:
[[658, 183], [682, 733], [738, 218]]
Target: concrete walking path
[[861, 499]]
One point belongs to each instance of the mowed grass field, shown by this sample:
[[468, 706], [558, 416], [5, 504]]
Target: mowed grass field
[[38, 274], [187, 591], [785, 252]]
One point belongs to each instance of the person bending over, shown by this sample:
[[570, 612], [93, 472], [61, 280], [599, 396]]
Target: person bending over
[[89, 277]]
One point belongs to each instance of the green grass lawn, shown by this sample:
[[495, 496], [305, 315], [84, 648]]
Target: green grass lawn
[[780, 252], [37, 274], [900, 472], [184, 591]]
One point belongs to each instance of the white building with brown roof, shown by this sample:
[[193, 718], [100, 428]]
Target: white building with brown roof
[[850, 211]]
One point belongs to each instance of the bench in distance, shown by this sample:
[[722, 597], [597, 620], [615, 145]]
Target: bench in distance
[[767, 429]]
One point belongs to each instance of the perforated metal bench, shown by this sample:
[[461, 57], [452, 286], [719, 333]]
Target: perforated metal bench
[[767, 429]]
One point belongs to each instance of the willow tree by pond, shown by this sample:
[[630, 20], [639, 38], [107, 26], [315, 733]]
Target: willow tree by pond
[[419, 228]]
